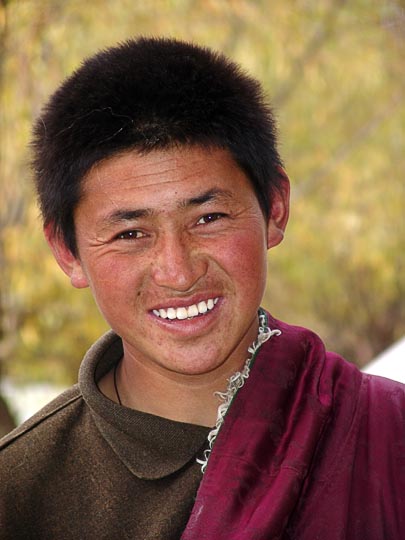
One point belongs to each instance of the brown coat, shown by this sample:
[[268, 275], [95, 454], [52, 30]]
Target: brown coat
[[84, 467]]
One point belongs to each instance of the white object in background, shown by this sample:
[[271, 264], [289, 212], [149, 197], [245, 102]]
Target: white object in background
[[390, 363], [25, 400]]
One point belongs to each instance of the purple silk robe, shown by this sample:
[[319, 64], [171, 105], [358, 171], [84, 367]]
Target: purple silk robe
[[311, 449]]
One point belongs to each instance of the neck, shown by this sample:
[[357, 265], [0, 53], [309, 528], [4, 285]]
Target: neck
[[185, 398], [189, 399], [181, 397]]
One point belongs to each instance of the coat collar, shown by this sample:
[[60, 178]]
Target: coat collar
[[151, 447]]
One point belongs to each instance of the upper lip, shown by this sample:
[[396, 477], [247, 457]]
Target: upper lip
[[184, 302]]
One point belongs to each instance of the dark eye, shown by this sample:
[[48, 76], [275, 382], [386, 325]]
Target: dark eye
[[130, 235], [209, 218]]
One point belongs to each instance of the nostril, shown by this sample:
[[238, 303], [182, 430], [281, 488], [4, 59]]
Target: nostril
[[176, 268]]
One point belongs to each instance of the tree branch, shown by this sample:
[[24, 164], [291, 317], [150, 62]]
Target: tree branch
[[322, 33], [347, 148]]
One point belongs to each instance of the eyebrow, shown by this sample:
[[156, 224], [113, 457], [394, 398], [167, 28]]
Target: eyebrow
[[208, 196], [127, 214]]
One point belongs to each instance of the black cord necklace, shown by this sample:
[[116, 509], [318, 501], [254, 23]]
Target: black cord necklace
[[115, 383]]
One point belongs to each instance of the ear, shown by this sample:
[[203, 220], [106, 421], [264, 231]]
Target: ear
[[70, 264], [279, 211]]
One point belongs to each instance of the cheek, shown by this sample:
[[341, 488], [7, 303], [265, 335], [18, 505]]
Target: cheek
[[245, 258], [112, 277]]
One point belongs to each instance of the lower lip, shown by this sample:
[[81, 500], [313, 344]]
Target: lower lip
[[193, 324]]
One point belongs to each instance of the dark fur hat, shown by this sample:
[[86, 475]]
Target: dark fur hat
[[149, 94]]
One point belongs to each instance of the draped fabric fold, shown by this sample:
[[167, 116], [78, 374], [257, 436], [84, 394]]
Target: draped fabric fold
[[287, 454]]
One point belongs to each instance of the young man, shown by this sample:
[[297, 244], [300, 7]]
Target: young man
[[162, 189]]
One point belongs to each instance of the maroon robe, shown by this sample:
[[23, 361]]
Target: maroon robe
[[311, 449]]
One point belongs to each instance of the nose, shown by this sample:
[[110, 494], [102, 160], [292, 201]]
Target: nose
[[177, 264]]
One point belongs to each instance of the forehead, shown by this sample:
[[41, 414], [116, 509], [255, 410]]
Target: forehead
[[166, 173]]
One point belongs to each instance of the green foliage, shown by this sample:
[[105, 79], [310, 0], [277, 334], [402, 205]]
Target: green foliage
[[334, 70]]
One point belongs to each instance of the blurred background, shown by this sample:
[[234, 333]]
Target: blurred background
[[335, 72]]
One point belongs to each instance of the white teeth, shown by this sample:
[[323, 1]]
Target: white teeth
[[202, 307], [192, 311], [182, 313], [186, 312]]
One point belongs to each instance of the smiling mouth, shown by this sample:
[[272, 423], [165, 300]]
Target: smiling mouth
[[187, 312]]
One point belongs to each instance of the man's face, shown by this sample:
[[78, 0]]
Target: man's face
[[173, 245]]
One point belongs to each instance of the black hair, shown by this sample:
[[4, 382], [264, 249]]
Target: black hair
[[149, 94]]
